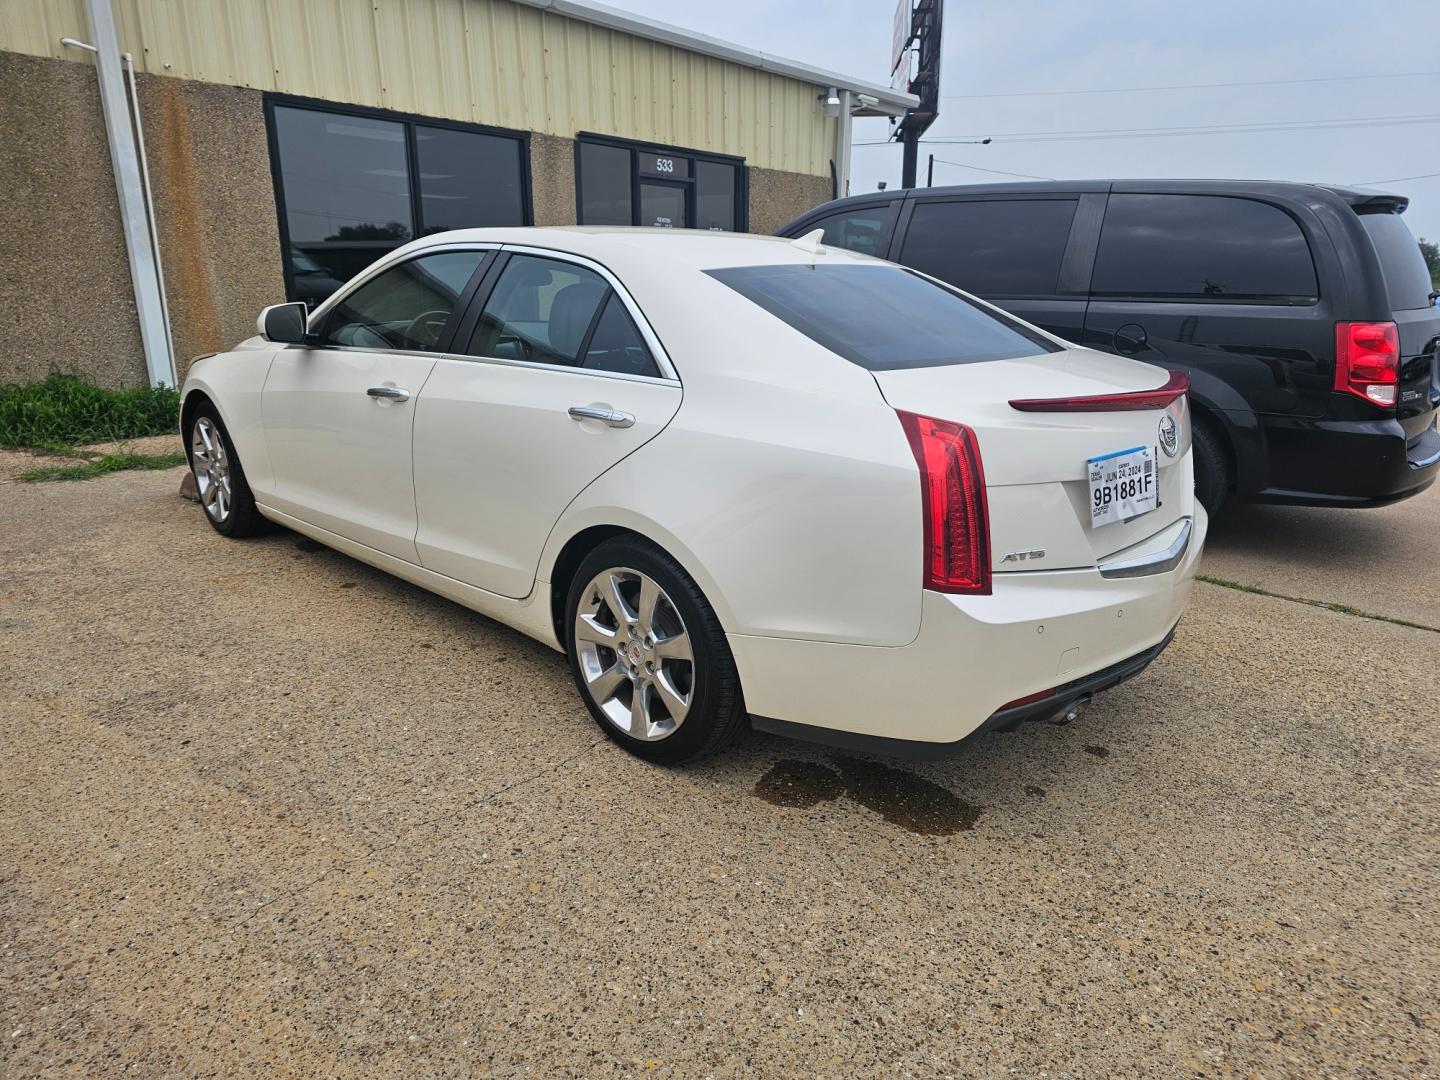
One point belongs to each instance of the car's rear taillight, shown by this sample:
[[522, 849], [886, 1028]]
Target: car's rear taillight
[[1367, 360], [952, 497]]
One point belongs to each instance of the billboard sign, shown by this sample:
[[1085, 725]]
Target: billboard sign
[[902, 34], [900, 77]]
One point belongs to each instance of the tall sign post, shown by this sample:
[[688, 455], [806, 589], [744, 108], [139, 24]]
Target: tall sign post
[[915, 68]]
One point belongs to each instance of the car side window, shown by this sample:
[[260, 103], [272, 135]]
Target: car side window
[[616, 344], [1208, 247], [865, 230], [541, 310], [991, 247], [405, 307]]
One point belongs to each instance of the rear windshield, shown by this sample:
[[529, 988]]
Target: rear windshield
[[883, 317], [1406, 279]]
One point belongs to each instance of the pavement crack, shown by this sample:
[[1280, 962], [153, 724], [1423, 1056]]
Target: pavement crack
[[1324, 605]]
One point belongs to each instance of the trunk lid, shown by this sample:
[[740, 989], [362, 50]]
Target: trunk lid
[[1036, 462]]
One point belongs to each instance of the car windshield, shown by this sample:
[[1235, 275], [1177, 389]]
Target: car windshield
[[883, 318]]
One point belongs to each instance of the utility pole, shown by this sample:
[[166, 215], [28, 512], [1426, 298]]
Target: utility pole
[[930, 172], [910, 161]]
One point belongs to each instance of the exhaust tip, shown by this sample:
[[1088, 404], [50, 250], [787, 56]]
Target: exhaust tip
[[1069, 713]]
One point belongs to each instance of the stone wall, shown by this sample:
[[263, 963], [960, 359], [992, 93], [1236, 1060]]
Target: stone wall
[[66, 303], [552, 179], [64, 277], [777, 198], [215, 209]]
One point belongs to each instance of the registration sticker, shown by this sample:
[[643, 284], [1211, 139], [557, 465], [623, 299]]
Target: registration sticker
[[1122, 485]]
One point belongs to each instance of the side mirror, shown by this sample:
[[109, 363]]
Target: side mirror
[[283, 324]]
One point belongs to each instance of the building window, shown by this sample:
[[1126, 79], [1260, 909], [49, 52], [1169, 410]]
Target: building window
[[624, 183], [354, 184], [606, 173]]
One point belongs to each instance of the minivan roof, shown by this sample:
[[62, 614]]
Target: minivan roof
[[1362, 199]]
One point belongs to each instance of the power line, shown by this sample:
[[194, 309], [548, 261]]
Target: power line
[[1001, 172], [1265, 127], [1416, 117], [1392, 180], [1192, 86]]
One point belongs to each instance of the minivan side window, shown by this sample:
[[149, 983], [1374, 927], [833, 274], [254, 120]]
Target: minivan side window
[[991, 247], [866, 231], [404, 307], [1206, 247]]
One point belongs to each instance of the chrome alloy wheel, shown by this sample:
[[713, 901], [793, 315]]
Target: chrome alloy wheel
[[212, 469], [634, 654]]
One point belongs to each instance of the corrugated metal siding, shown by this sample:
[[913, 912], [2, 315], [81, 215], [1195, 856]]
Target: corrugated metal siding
[[485, 61]]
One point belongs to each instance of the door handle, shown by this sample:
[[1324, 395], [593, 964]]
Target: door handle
[[389, 393], [613, 417]]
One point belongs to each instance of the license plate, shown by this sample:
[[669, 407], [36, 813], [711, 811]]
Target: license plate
[[1122, 485]]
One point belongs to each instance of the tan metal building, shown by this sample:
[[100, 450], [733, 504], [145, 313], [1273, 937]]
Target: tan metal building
[[284, 144]]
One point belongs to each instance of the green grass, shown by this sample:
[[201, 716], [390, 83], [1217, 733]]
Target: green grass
[[62, 411], [88, 470]]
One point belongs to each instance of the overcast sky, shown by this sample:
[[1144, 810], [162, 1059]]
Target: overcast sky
[[1023, 46]]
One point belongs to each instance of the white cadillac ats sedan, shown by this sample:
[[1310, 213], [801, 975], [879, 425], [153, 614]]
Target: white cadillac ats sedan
[[732, 477]]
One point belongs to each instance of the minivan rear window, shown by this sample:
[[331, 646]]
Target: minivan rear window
[[1407, 281], [883, 318]]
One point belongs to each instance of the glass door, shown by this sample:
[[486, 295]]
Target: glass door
[[664, 203]]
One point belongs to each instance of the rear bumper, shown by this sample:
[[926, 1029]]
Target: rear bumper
[[1073, 631], [1354, 463], [1066, 699]]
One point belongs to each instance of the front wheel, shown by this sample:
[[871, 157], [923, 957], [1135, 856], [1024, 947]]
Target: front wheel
[[219, 478], [649, 656]]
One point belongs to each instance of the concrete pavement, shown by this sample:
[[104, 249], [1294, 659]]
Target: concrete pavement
[[267, 811], [1385, 560]]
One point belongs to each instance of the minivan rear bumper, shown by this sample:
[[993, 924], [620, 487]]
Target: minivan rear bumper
[[1355, 463]]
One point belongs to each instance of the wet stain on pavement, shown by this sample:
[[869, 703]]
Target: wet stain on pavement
[[1098, 751], [1036, 790], [901, 798], [799, 783]]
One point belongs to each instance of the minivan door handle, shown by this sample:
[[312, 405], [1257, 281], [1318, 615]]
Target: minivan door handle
[[1130, 338], [613, 417]]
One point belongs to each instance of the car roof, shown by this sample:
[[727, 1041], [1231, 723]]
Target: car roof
[[1351, 195], [698, 249]]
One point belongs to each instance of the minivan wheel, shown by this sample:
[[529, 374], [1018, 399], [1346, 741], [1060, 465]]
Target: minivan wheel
[[648, 654], [1212, 468], [219, 479]]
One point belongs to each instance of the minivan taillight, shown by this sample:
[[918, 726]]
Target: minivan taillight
[[952, 497], [1367, 360]]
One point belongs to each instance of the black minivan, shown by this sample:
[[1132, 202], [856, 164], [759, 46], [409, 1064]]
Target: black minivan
[[1302, 313]]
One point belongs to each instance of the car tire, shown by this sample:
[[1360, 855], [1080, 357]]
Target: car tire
[[1212, 468], [220, 483], [620, 651]]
